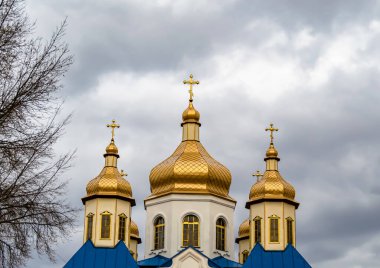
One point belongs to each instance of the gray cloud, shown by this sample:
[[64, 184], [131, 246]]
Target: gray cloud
[[310, 67]]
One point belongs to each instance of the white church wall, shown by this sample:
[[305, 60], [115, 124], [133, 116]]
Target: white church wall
[[174, 208], [190, 259], [114, 206], [266, 210]]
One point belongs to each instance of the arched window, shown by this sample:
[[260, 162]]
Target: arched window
[[257, 224], [273, 223], [159, 233], [190, 231], [106, 225], [122, 226], [289, 229], [90, 221], [245, 255], [220, 234]]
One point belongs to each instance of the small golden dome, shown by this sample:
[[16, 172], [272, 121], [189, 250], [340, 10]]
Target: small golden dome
[[109, 182], [272, 185], [272, 152], [111, 148], [134, 230], [244, 229], [191, 114], [190, 169]]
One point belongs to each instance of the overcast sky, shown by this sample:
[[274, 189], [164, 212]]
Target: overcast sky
[[310, 67]]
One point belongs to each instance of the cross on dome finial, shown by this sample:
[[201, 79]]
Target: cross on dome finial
[[258, 175], [122, 173], [113, 126], [191, 82], [271, 129]]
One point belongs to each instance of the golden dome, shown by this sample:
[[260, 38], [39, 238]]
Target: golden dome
[[272, 185], [111, 148], [272, 152], [244, 229], [191, 114], [134, 230], [110, 182], [190, 169]]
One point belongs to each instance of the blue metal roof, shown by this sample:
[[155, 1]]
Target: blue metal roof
[[226, 263], [155, 261], [89, 256], [289, 258], [161, 261]]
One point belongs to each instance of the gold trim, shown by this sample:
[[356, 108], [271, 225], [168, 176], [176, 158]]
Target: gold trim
[[277, 218], [191, 223], [155, 227], [105, 213], [223, 231]]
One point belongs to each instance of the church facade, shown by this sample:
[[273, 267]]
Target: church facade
[[189, 212]]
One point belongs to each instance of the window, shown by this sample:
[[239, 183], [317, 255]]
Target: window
[[159, 233], [220, 234], [289, 229], [245, 255], [106, 225], [190, 231], [257, 222], [274, 237], [90, 220], [122, 226]]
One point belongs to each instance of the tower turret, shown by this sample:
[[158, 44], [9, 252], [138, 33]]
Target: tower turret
[[108, 202], [272, 205], [189, 203]]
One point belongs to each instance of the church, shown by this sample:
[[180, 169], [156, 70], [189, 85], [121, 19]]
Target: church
[[189, 212]]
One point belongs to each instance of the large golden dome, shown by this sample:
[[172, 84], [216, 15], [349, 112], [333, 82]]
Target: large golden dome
[[190, 169]]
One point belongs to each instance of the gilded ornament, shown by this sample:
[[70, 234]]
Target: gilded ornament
[[110, 182], [272, 185]]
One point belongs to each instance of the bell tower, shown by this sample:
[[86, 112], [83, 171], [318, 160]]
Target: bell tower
[[108, 202], [272, 220]]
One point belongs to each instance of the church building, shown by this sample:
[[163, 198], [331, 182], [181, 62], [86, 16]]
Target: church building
[[189, 212]]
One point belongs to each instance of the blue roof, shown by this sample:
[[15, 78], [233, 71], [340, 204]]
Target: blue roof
[[155, 261], [161, 261], [289, 258], [89, 256], [226, 263]]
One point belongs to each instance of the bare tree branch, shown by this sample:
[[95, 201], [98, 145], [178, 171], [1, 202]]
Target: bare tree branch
[[33, 210]]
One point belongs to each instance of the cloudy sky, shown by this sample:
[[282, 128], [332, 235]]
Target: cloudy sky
[[310, 67]]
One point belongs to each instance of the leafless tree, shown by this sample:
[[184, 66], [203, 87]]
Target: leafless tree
[[34, 213]]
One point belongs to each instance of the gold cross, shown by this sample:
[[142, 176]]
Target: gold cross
[[122, 173], [271, 129], [257, 174], [113, 126], [191, 82]]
